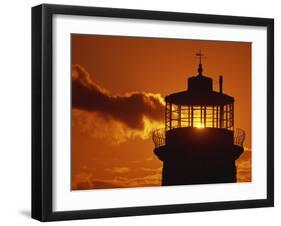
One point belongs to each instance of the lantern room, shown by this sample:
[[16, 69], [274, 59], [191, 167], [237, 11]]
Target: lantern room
[[200, 106]]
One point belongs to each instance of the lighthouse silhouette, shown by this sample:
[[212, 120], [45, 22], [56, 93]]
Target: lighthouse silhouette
[[199, 144]]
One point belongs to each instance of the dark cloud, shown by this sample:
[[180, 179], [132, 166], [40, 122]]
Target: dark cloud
[[130, 109]]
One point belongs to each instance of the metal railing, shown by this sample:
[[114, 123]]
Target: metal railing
[[158, 137], [239, 137]]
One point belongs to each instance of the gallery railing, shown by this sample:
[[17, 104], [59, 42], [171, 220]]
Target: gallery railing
[[239, 137], [159, 136]]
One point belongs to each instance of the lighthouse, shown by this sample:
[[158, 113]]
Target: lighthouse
[[199, 144]]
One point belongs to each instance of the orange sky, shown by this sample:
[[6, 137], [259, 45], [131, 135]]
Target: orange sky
[[112, 147]]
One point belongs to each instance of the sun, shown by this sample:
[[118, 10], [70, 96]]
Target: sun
[[199, 126]]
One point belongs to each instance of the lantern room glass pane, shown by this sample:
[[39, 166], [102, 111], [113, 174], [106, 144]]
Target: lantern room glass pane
[[167, 116], [217, 116], [198, 120], [175, 116], [185, 116], [209, 117]]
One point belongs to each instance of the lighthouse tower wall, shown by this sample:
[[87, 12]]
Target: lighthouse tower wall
[[198, 156]]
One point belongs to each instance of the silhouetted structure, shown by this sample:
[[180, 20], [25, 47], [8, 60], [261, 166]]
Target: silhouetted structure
[[198, 144]]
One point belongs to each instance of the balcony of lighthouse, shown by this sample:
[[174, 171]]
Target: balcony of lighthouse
[[159, 138]]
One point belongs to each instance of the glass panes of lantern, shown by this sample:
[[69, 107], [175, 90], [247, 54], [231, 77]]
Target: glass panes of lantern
[[216, 116]]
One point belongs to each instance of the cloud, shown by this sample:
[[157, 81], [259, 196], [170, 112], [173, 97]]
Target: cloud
[[113, 132], [119, 170], [117, 177], [244, 167], [118, 182], [152, 170], [131, 109]]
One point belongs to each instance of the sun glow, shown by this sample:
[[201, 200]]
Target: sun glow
[[198, 118], [199, 126]]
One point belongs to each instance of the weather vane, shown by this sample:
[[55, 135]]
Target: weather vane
[[200, 55]]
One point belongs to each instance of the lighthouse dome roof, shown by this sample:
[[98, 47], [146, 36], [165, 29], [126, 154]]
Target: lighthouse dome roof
[[200, 92]]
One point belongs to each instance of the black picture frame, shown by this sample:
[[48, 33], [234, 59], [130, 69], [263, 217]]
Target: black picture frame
[[42, 111]]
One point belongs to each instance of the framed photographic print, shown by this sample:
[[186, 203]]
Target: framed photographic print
[[145, 112]]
